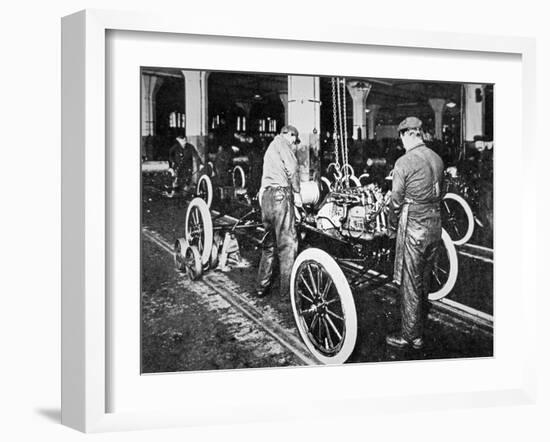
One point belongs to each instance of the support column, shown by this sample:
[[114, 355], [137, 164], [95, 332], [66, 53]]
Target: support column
[[438, 106], [283, 96], [196, 108], [304, 113], [196, 112], [474, 100], [371, 116], [359, 91]]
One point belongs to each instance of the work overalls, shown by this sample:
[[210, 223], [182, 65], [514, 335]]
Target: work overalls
[[279, 221], [417, 246]]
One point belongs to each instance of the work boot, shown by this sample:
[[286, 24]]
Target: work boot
[[399, 341], [262, 292]]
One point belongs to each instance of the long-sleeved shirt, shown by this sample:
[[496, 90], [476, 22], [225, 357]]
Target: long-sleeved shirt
[[280, 165], [417, 179], [183, 156]]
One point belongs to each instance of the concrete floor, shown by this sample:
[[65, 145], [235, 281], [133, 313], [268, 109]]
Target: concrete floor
[[187, 325]]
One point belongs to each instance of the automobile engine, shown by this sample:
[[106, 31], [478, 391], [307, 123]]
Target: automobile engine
[[358, 212]]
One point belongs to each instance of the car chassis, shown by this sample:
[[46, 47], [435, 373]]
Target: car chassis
[[351, 223]]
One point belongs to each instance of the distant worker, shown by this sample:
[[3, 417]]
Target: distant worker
[[222, 163], [416, 199], [181, 157], [281, 192]]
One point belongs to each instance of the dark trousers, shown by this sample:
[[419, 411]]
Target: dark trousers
[[422, 241], [184, 173], [279, 222]]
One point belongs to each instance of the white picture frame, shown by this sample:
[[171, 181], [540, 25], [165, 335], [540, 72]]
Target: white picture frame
[[86, 207]]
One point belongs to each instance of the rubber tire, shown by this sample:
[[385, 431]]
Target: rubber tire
[[346, 298], [180, 247], [469, 214], [260, 195], [209, 190], [240, 170], [453, 270], [194, 270], [215, 252], [207, 227]]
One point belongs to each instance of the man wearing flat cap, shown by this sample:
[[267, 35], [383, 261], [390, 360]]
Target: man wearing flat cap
[[415, 212], [279, 193]]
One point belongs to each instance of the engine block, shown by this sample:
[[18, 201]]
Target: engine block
[[355, 211]]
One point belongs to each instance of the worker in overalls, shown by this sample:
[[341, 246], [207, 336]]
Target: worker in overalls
[[415, 211], [280, 192], [181, 156]]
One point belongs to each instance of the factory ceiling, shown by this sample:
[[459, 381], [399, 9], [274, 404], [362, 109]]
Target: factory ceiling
[[396, 97]]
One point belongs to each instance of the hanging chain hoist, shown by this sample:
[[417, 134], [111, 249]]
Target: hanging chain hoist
[[335, 135], [339, 117], [345, 134]]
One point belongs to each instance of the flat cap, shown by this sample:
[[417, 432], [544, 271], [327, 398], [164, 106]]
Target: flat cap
[[292, 130], [289, 129], [409, 123]]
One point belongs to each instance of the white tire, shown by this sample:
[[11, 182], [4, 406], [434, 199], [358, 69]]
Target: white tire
[[180, 247], [204, 189], [323, 306], [193, 265], [446, 269], [460, 234], [238, 175], [198, 228], [260, 195]]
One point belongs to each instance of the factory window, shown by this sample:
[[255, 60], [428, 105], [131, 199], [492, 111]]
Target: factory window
[[177, 120]]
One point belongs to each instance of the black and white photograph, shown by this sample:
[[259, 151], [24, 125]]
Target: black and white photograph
[[291, 220], [260, 222]]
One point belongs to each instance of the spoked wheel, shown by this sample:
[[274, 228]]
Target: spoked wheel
[[215, 252], [180, 247], [457, 218], [445, 271], [193, 264], [204, 189], [198, 228], [239, 179], [323, 306]]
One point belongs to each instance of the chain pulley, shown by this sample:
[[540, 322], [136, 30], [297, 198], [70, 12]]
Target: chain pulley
[[335, 136], [339, 114]]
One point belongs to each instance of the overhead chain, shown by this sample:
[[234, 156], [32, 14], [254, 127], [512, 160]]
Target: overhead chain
[[339, 98], [335, 136], [345, 131]]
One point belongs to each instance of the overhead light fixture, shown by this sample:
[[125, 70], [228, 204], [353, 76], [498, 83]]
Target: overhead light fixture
[[257, 97], [451, 104]]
